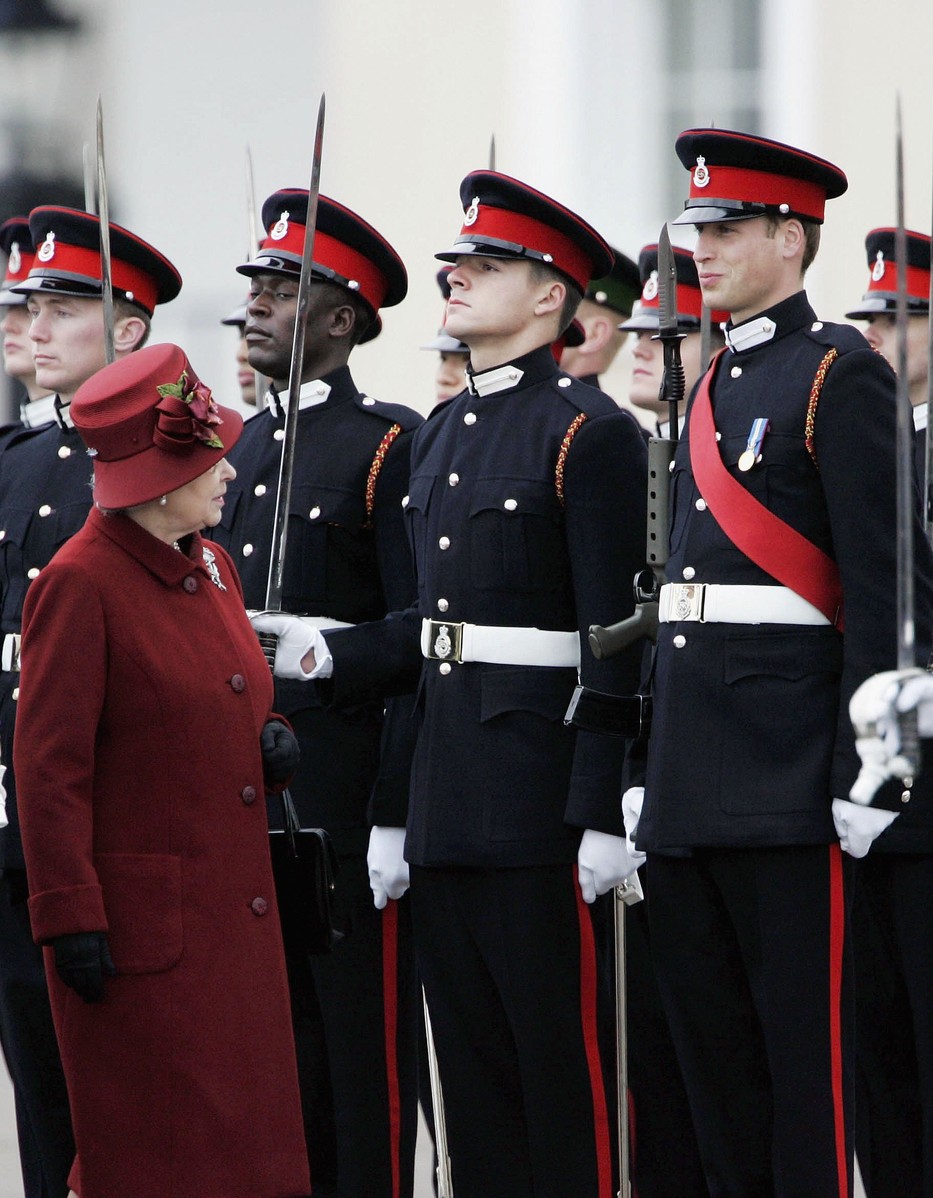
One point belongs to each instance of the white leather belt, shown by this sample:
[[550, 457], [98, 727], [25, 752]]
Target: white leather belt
[[443, 640], [719, 603], [9, 653]]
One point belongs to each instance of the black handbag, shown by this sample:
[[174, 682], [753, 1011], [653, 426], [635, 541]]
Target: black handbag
[[304, 865]]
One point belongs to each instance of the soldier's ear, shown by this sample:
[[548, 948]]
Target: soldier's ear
[[342, 320], [794, 237], [551, 297], [128, 332]]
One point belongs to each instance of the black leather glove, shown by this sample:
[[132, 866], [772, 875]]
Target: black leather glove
[[280, 753], [83, 961]]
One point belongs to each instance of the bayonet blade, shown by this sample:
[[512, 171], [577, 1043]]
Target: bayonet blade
[[492, 152], [706, 336], [286, 472], [90, 200], [106, 276], [252, 229], [928, 459], [672, 382]]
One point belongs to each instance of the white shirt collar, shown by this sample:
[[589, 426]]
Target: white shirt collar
[[38, 411], [750, 333], [489, 382], [311, 394], [920, 416]]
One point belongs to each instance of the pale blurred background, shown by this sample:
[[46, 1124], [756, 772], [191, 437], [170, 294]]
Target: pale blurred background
[[584, 97]]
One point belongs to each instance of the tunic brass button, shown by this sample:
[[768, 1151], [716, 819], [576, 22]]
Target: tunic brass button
[[259, 489], [238, 683], [259, 906], [444, 668], [45, 510], [444, 543], [442, 605], [469, 418], [33, 572], [190, 584], [248, 795], [247, 550], [64, 451]]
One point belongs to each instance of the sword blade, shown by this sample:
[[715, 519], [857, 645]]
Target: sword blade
[[252, 228], [492, 152], [286, 471], [106, 275], [928, 458], [706, 337]]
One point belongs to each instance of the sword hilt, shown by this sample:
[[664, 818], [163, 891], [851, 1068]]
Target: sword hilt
[[268, 642]]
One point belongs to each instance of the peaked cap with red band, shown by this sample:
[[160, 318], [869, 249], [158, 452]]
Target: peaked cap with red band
[[504, 218], [881, 296], [150, 425], [347, 251], [16, 243], [736, 176], [646, 313], [67, 261]]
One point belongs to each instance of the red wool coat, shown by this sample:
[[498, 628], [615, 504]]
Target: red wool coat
[[142, 696]]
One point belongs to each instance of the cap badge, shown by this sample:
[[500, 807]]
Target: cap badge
[[16, 258], [877, 270], [700, 173], [469, 217], [47, 248], [650, 289], [280, 228]]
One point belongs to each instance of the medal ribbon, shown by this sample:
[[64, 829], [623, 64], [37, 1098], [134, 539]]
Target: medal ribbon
[[772, 544]]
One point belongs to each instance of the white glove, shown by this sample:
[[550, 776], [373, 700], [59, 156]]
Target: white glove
[[295, 639], [875, 710], [858, 826], [632, 802], [388, 869], [604, 861]]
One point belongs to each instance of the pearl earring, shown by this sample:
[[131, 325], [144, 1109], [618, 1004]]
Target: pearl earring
[[163, 500]]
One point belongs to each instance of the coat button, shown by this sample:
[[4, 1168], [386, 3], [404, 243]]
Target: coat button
[[279, 434], [453, 479], [442, 605], [259, 906], [64, 451], [32, 572], [15, 693], [247, 550], [444, 543], [45, 510], [314, 513], [259, 489], [238, 683], [248, 795], [369, 403], [736, 372], [190, 584], [816, 326], [689, 572], [563, 382], [469, 418], [405, 500], [444, 668], [510, 505], [679, 641], [700, 505]]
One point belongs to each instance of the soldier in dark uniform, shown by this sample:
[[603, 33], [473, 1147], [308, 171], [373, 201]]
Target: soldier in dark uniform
[[348, 561], [453, 355], [894, 883], [648, 364], [45, 496], [605, 300], [879, 306], [525, 513], [782, 534]]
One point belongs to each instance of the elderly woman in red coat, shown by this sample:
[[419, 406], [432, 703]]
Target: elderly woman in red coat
[[144, 699]]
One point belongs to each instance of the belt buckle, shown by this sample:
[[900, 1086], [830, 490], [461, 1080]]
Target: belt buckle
[[689, 600], [445, 640]]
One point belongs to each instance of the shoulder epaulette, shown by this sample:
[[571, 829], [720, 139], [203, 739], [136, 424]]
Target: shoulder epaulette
[[392, 413]]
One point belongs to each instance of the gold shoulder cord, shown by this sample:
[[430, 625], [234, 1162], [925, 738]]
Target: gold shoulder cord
[[815, 390]]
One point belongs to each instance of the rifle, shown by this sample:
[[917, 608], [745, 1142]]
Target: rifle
[[607, 641]]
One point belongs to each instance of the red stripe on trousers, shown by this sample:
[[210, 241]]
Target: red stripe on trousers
[[390, 1023], [591, 1044], [836, 941]]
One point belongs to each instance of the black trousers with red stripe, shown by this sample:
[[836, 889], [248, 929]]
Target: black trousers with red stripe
[[355, 1012], [509, 967], [754, 966]]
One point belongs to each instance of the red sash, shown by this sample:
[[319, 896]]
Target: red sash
[[761, 535]]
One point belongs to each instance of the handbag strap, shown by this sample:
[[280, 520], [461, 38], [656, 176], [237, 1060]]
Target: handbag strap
[[761, 535]]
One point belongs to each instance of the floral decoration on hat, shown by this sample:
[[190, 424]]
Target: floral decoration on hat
[[187, 414]]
